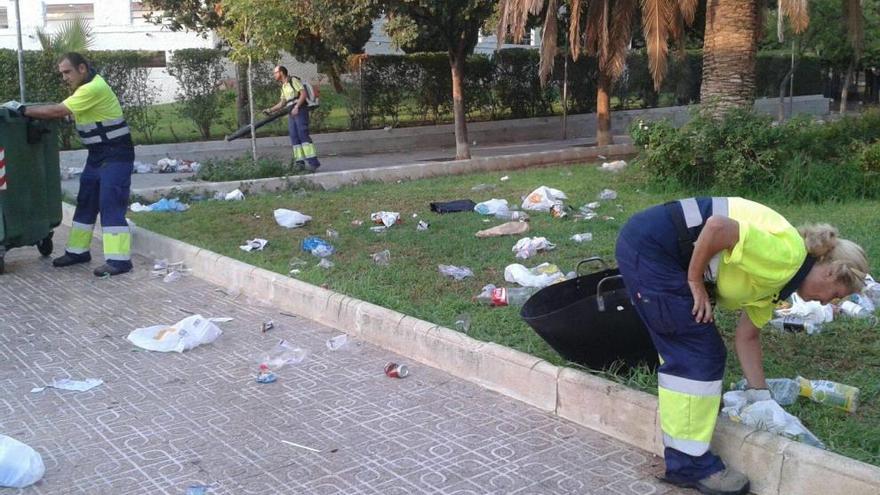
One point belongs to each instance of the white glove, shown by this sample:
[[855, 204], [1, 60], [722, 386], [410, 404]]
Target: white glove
[[14, 106], [757, 395]]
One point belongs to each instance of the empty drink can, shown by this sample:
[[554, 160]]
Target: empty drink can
[[395, 370]]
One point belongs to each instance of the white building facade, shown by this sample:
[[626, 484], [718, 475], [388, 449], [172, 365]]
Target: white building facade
[[120, 25]]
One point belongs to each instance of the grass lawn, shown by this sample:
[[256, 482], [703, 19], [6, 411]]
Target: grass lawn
[[847, 351]]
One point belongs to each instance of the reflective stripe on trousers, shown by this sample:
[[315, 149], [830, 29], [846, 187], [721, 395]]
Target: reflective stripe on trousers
[[103, 189]]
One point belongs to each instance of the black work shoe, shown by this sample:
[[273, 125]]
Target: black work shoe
[[312, 168], [107, 269], [71, 259], [725, 482]]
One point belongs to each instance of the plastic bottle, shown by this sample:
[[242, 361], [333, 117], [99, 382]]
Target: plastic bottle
[[795, 324], [854, 310], [503, 296], [582, 237], [784, 391], [831, 393], [281, 355], [511, 215]]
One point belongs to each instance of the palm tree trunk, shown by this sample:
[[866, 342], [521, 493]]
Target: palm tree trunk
[[729, 48], [603, 112], [844, 93], [456, 63]]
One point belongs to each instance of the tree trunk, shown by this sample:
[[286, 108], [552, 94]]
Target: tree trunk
[[844, 93], [241, 97], [456, 63], [250, 90], [729, 48], [333, 73], [603, 112]]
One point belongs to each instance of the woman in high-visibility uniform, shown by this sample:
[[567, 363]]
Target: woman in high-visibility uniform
[[754, 258], [105, 183]]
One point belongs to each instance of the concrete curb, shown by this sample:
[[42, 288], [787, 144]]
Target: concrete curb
[[334, 180], [776, 465]]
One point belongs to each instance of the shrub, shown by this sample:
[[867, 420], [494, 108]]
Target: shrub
[[198, 72], [242, 168], [748, 154]]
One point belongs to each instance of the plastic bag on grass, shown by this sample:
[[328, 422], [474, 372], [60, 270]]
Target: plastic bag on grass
[[291, 219], [20, 465], [539, 276], [492, 207], [542, 199], [184, 335]]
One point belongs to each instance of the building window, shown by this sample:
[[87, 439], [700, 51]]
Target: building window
[[4, 18], [64, 12], [139, 11]]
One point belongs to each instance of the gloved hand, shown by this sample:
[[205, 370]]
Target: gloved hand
[[14, 107], [757, 394]]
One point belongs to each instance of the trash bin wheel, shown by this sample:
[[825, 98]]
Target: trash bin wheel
[[46, 246]]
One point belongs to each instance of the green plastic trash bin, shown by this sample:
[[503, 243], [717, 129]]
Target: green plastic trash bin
[[30, 183]]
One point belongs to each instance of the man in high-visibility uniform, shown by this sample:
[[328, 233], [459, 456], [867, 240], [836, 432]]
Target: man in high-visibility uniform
[[667, 255], [106, 179], [292, 90]]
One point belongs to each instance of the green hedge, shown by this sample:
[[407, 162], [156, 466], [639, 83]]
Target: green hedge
[[506, 84]]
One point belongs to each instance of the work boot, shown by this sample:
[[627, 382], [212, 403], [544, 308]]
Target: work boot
[[725, 482], [311, 168], [71, 259], [110, 269]]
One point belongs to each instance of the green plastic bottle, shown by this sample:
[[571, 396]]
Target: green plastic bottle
[[831, 393]]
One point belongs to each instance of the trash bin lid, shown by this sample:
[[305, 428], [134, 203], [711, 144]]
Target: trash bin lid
[[6, 115]]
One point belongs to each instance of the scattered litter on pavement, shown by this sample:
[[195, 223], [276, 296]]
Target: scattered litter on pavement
[[290, 219], [20, 465], [303, 446], [169, 166], [382, 258], [264, 375], [172, 277], [456, 206], [283, 354], [142, 168], [266, 326], [766, 415], [184, 335], [463, 323], [586, 236], [386, 218], [326, 264], [509, 228], [394, 370], [221, 319], [317, 246], [529, 246], [163, 204], [491, 207], [539, 276], [197, 490], [542, 199], [615, 166], [337, 343], [254, 245], [170, 272], [422, 225], [68, 384], [607, 194], [456, 272], [234, 195]]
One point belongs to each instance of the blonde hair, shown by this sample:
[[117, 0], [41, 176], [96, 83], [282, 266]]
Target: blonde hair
[[849, 264]]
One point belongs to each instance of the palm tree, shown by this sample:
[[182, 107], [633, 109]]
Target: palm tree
[[603, 28], [74, 35], [731, 40]]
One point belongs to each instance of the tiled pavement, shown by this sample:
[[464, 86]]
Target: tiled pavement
[[163, 422]]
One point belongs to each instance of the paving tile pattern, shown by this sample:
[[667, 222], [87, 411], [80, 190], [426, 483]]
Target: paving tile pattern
[[164, 421]]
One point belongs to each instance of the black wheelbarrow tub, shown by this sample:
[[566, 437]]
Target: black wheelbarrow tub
[[590, 320]]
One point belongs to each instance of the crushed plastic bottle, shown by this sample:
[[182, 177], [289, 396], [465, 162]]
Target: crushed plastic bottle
[[835, 394], [382, 258], [503, 296], [283, 354], [854, 310], [511, 215], [784, 391], [587, 236], [338, 342], [796, 324]]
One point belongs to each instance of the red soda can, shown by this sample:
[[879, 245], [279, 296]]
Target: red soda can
[[395, 370]]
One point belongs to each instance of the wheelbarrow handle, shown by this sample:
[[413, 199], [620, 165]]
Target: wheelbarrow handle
[[577, 269], [600, 300]]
